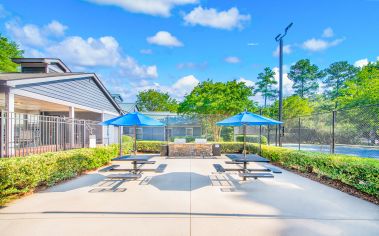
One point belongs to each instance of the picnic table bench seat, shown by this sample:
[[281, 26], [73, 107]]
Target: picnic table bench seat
[[274, 169], [109, 168], [255, 175], [219, 168], [145, 162]]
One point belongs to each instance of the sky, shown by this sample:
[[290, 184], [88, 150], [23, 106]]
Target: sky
[[172, 45]]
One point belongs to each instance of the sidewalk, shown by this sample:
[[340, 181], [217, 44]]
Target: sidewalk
[[188, 199]]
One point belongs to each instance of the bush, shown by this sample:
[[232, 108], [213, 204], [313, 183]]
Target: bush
[[251, 139], [20, 175], [361, 173], [150, 146], [237, 147]]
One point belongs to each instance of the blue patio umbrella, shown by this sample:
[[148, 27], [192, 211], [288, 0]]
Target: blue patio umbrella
[[135, 120], [248, 119]]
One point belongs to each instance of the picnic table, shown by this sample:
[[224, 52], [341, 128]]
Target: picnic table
[[246, 172], [135, 160]]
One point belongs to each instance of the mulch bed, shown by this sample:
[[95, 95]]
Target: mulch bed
[[335, 184]]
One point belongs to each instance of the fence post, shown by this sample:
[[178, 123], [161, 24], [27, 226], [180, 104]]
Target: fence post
[[333, 145], [56, 133], [1, 135], [299, 133], [84, 134]]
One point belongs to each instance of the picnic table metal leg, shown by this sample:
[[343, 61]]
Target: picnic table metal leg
[[135, 166]]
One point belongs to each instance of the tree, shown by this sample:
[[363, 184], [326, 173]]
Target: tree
[[336, 76], [293, 106], [304, 76], [153, 100], [213, 101], [8, 50], [265, 84], [362, 89]]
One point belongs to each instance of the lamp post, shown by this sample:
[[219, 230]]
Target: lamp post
[[279, 38]]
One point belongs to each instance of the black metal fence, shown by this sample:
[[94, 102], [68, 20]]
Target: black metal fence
[[352, 131], [25, 134]]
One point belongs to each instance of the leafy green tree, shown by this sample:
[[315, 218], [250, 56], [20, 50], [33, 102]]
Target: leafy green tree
[[362, 89], [305, 78], [336, 76], [293, 106], [265, 84], [213, 101], [153, 100], [8, 50]]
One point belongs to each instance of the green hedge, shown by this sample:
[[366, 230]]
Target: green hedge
[[251, 139], [20, 175], [150, 146], [361, 173]]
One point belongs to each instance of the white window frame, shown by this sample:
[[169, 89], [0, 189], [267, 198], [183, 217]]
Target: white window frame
[[190, 132]]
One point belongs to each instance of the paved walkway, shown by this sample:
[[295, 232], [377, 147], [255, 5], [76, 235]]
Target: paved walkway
[[188, 199]]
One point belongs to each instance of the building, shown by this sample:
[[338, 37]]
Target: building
[[177, 126], [126, 107], [48, 105]]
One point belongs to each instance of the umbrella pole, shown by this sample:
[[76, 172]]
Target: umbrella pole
[[260, 140], [244, 141], [120, 139], [135, 140]]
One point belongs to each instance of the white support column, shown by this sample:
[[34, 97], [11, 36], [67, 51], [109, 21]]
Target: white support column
[[9, 133], [71, 115]]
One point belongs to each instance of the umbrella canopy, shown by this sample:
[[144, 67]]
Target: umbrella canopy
[[133, 119], [249, 119]]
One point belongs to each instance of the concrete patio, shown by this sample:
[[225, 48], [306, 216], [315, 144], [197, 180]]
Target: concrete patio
[[190, 199]]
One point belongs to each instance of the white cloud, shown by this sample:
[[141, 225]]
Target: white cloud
[[55, 28], [192, 65], [177, 90], [361, 63], [87, 52], [252, 44], [150, 7], [249, 83], [232, 60], [130, 67], [33, 35], [328, 33], [315, 45], [212, 18], [377, 58], [164, 38], [26, 35], [287, 49], [146, 51], [287, 83], [183, 86]]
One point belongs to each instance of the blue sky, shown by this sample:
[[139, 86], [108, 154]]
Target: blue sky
[[171, 45]]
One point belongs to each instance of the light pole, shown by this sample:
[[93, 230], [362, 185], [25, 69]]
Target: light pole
[[279, 38]]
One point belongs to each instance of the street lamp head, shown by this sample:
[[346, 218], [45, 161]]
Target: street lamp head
[[277, 37], [288, 27]]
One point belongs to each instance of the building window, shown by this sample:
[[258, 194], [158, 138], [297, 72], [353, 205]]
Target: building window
[[189, 131], [139, 133]]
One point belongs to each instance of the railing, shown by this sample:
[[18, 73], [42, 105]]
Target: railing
[[24, 134]]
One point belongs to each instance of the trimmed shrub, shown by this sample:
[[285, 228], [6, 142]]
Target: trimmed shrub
[[150, 146], [237, 147], [20, 175], [361, 173], [251, 139]]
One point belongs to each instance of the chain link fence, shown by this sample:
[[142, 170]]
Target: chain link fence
[[352, 131]]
